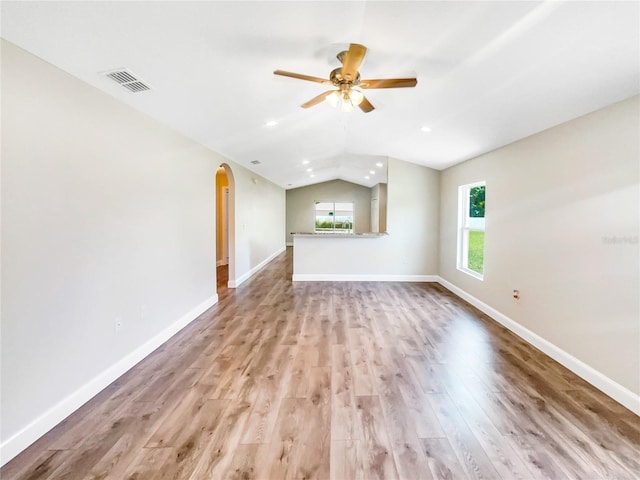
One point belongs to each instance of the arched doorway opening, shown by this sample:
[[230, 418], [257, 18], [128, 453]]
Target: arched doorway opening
[[225, 228]]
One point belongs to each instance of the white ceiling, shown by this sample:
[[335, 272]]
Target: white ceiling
[[489, 73]]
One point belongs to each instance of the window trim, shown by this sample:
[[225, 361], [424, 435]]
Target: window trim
[[464, 227]]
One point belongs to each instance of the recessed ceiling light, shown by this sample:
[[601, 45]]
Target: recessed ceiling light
[[425, 129], [372, 172], [305, 162], [379, 164], [366, 177], [311, 176], [270, 123], [309, 169]]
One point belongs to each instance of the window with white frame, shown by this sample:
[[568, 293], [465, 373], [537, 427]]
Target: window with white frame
[[334, 217], [471, 205]]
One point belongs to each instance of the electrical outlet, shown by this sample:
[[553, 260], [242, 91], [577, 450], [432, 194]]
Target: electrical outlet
[[118, 324]]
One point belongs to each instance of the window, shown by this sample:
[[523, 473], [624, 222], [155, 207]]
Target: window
[[471, 203], [334, 217]]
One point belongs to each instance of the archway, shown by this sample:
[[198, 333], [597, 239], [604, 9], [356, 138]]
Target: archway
[[225, 226]]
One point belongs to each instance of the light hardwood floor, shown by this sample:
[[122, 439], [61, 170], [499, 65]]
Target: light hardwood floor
[[342, 381]]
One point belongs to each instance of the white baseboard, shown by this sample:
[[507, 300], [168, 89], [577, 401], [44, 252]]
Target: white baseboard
[[220, 263], [603, 383], [243, 278], [49, 419], [313, 277], [289, 244]]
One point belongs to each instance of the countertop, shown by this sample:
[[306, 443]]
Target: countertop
[[340, 235]]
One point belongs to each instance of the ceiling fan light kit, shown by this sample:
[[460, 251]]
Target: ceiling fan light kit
[[346, 98], [333, 98], [347, 77]]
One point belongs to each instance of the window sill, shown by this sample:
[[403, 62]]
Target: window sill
[[472, 273]]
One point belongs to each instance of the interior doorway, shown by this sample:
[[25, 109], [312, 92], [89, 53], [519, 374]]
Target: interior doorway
[[225, 231]]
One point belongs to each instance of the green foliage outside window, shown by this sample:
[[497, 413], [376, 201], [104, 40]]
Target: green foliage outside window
[[476, 251], [476, 202]]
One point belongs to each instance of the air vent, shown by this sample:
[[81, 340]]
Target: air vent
[[136, 86], [128, 80], [255, 162]]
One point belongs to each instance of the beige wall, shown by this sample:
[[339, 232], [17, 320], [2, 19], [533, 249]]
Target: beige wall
[[379, 208], [259, 220], [413, 203], [105, 214], [382, 206], [301, 204], [562, 227]]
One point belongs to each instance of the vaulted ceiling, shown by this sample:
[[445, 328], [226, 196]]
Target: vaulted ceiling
[[489, 73]]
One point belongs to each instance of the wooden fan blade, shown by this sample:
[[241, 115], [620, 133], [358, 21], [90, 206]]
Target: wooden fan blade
[[316, 100], [365, 105], [300, 76], [389, 83], [352, 61]]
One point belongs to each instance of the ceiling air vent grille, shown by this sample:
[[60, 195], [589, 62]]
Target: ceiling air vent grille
[[128, 80], [255, 162]]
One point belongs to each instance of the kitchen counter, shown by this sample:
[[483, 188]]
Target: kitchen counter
[[339, 235]]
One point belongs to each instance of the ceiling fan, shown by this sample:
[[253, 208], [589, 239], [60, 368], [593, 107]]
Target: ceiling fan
[[348, 83]]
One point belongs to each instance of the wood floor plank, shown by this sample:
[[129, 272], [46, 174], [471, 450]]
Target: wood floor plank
[[390, 378], [344, 462], [560, 439], [470, 454], [510, 414], [563, 422], [148, 465], [102, 439], [343, 408], [504, 459], [391, 374], [263, 416], [215, 451], [540, 460], [171, 428], [282, 455], [614, 420], [362, 376], [442, 460], [315, 451], [293, 325], [586, 448], [407, 452], [115, 462], [298, 384], [342, 381], [235, 376], [302, 435], [374, 451], [247, 463], [422, 415], [41, 466], [425, 374]]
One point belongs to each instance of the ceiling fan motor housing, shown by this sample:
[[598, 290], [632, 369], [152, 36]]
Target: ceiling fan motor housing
[[337, 79]]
